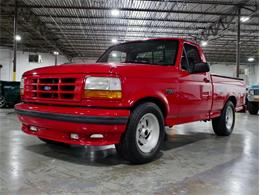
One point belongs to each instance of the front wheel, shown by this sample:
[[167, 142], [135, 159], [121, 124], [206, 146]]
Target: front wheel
[[224, 124], [144, 135]]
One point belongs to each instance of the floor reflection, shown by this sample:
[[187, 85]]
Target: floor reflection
[[192, 161]]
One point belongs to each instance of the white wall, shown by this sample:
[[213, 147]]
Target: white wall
[[23, 65], [5, 61], [84, 60], [251, 75]]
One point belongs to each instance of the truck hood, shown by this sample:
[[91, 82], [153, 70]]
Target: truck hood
[[122, 69], [71, 69]]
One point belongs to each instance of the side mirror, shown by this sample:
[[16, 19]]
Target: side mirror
[[201, 67]]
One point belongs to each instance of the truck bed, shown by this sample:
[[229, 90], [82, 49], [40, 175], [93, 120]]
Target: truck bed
[[225, 87]]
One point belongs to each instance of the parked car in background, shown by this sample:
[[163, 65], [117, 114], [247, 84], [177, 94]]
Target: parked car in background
[[253, 99], [9, 93]]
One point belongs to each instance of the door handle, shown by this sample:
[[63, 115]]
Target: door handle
[[206, 80]]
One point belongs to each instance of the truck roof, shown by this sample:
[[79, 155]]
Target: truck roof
[[163, 38]]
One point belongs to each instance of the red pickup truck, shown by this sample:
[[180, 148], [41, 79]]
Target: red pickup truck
[[128, 97]]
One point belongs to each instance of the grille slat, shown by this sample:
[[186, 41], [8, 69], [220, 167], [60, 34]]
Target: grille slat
[[55, 88]]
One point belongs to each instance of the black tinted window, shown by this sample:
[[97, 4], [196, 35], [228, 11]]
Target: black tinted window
[[192, 54], [184, 62], [161, 52]]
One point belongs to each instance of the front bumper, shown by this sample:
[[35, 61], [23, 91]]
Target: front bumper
[[59, 122]]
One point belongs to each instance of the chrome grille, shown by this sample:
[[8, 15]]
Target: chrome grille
[[53, 88]]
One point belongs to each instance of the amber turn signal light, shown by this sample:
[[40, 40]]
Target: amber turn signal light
[[103, 94]]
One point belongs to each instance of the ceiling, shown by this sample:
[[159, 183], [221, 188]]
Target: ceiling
[[83, 29]]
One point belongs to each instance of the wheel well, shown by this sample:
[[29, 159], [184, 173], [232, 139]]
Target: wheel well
[[233, 100], [156, 101]]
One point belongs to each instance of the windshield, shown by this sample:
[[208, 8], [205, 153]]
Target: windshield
[[156, 52]]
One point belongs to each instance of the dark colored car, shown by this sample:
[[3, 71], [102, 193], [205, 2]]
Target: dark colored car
[[9, 93], [253, 99]]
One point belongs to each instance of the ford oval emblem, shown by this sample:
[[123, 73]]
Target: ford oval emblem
[[47, 88]]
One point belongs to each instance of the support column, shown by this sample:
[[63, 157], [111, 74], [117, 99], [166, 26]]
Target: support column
[[15, 41], [56, 59], [238, 42]]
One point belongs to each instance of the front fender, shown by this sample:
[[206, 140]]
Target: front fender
[[150, 95]]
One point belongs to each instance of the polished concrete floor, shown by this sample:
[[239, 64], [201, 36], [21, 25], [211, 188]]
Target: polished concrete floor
[[193, 161]]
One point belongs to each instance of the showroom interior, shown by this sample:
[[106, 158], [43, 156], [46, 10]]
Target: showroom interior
[[64, 33]]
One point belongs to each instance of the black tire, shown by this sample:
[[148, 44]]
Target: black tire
[[220, 127], [51, 142], [2, 102], [253, 107], [129, 147], [120, 152]]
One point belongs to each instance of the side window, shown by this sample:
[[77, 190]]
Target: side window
[[192, 55], [117, 56], [184, 62]]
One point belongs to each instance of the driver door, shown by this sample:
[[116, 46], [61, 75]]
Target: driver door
[[195, 97]]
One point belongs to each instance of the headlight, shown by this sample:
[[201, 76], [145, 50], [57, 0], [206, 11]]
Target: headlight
[[103, 87], [251, 92], [22, 87]]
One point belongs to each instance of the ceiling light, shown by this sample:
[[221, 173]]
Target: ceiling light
[[204, 43], [115, 12], [251, 59], [244, 18], [18, 38], [114, 40], [56, 53], [114, 55]]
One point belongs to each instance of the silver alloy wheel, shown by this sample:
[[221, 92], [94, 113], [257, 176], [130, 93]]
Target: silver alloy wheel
[[2, 102], [148, 132], [229, 117]]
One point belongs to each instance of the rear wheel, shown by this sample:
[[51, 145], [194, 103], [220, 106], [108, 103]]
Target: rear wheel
[[2, 102], [253, 107], [144, 135], [223, 125]]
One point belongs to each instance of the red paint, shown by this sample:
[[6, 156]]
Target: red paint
[[198, 96]]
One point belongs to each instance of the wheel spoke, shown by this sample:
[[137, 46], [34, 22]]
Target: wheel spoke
[[146, 123], [148, 131], [229, 118]]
